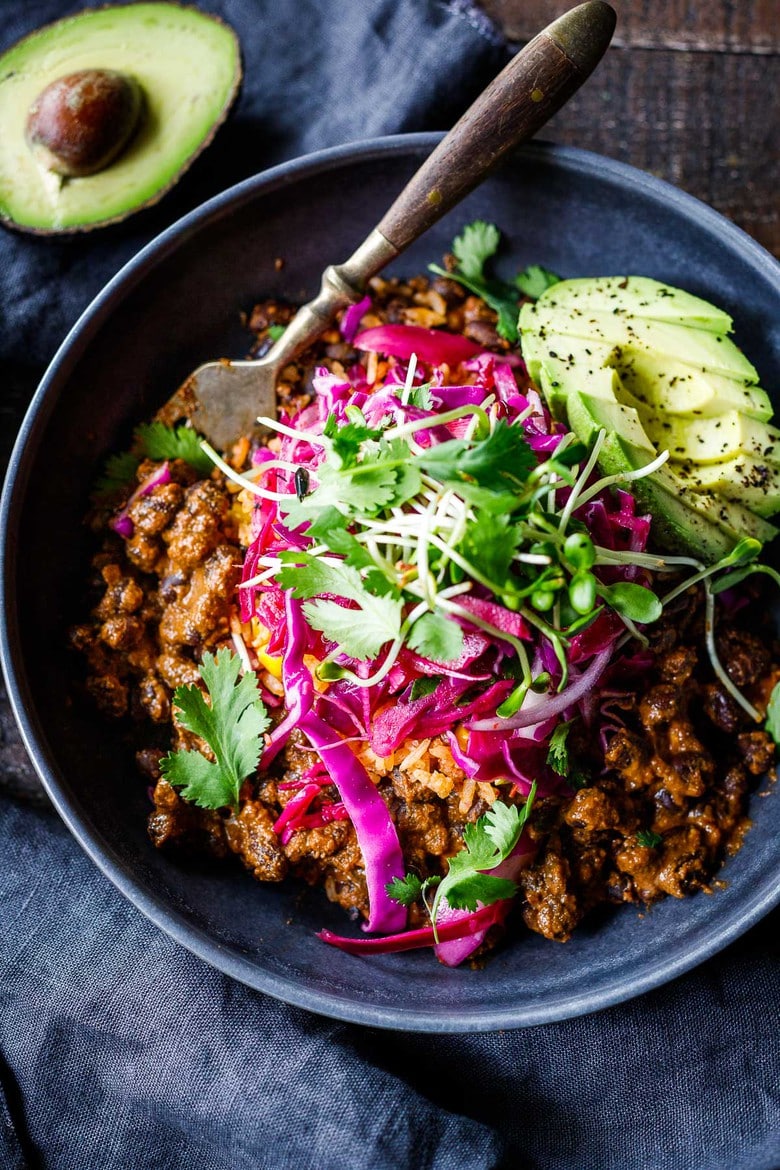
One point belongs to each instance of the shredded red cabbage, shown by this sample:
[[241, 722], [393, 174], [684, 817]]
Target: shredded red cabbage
[[469, 689], [376, 833], [475, 923]]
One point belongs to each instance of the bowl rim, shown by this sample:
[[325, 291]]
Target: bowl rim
[[194, 938]]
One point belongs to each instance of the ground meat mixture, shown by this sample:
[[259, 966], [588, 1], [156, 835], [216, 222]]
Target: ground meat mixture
[[668, 798], [662, 784]]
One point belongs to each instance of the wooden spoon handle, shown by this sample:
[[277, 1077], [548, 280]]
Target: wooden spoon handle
[[532, 87]]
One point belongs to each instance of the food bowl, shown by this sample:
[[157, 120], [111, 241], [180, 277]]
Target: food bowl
[[177, 304]]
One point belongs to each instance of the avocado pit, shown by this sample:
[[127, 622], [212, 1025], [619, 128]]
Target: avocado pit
[[80, 123]]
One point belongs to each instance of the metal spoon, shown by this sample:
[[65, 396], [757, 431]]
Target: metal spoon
[[224, 398]]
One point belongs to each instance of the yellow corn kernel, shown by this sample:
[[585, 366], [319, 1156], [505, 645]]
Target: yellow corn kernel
[[270, 663]]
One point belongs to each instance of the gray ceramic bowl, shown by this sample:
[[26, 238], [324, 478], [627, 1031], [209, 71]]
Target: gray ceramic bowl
[[175, 305]]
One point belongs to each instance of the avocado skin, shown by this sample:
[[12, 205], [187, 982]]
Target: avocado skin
[[574, 349], [91, 201]]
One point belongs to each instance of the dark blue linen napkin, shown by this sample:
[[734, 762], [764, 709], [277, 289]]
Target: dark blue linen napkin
[[121, 1051], [125, 1052]]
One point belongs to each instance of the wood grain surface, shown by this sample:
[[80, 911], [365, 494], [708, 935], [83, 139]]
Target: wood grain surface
[[690, 90]]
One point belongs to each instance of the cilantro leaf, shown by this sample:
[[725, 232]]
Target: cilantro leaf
[[474, 246], [534, 279], [436, 637], [335, 490], [649, 839], [421, 687], [155, 440], [377, 583], [384, 478], [470, 889], [405, 890], [118, 472], [500, 297], [358, 633], [420, 396], [329, 528], [772, 725], [276, 331], [408, 483], [487, 844], [504, 824], [361, 633], [329, 522], [310, 576], [346, 439], [500, 461], [489, 544], [232, 726], [558, 752]]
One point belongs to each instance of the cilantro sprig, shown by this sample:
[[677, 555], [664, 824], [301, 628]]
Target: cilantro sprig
[[500, 461], [153, 440], [361, 630], [119, 471], [474, 248], [232, 725], [469, 880]]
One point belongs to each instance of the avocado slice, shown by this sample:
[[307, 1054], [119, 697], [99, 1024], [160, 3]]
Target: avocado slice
[[701, 349], [755, 483], [627, 448], [673, 387], [187, 66], [671, 382], [713, 440], [705, 524], [660, 383], [649, 299]]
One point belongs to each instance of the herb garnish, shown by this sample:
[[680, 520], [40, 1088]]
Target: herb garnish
[[155, 440], [534, 280], [772, 724], [558, 749], [232, 726], [469, 881], [473, 248], [648, 839], [152, 441], [360, 632], [118, 471]]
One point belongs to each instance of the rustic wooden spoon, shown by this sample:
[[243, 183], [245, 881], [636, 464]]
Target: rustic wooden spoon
[[224, 398]]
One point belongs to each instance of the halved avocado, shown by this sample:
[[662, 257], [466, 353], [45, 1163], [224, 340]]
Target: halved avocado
[[187, 66]]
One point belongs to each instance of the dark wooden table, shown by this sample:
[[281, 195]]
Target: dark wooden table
[[689, 91]]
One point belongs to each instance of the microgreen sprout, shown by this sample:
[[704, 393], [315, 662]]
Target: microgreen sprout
[[402, 533]]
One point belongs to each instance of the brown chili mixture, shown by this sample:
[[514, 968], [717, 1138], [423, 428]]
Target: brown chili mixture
[[662, 788]]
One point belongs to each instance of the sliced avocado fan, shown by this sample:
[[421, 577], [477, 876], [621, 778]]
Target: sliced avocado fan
[[186, 66], [653, 366]]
